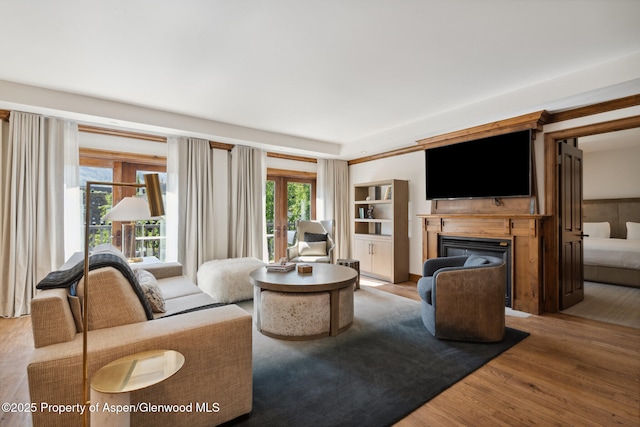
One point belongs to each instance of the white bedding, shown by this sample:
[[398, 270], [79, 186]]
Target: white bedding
[[620, 253]]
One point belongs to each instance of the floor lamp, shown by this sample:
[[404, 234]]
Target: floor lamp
[[156, 208]]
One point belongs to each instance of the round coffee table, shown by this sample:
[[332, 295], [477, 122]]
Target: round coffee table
[[297, 306]]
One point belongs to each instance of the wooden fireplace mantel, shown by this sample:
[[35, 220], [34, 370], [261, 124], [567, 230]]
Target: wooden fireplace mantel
[[527, 235]]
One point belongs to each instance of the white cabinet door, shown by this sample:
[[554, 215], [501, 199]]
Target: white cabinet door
[[375, 256], [381, 256], [362, 252]]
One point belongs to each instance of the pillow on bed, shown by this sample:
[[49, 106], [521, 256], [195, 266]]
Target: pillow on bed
[[633, 230], [597, 229]]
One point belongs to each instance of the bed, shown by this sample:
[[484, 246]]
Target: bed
[[609, 256]]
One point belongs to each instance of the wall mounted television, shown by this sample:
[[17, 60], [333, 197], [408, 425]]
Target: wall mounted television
[[493, 167]]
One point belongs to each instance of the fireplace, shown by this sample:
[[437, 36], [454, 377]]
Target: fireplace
[[500, 248]]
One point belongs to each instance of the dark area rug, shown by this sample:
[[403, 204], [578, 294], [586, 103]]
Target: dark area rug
[[380, 370]]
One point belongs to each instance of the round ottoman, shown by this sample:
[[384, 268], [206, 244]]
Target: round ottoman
[[290, 315]]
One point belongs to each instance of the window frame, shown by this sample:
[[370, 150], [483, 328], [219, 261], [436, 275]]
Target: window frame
[[124, 167]]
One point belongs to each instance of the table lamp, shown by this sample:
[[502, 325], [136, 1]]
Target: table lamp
[[155, 208], [128, 211]]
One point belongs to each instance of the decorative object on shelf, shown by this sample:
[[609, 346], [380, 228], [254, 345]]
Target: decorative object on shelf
[[305, 269], [156, 209], [387, 193], [370, 212], [361, 212]]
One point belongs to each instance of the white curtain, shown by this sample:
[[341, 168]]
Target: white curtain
[[247, 231], [73, 220], [190, 181], [32, 214], [332, 201]]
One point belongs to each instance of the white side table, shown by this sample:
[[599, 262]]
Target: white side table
[[113, 383]]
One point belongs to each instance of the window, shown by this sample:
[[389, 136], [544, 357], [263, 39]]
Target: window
[[121, 167]]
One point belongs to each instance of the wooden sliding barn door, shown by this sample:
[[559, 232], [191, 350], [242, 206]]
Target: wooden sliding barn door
[[570, 220]]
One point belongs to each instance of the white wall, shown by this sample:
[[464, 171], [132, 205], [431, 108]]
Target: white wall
[[611, 174], [408, 167]]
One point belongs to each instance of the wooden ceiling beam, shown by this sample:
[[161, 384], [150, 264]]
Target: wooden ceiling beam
[[574, 113], [292, 157], [533, 121], [121, 133]]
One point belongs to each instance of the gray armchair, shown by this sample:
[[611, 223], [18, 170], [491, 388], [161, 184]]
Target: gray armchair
[[314, 242], [463, 298]]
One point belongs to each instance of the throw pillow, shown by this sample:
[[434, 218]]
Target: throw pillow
[[151, 290], [315, 237], [633, 230], [597, 229], [474, 261], [312, 248]]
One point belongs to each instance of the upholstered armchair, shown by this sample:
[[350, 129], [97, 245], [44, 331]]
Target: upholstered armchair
[[314, 242], [463, 298]]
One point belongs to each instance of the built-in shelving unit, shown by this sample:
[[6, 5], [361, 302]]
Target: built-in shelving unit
[[380, 225]]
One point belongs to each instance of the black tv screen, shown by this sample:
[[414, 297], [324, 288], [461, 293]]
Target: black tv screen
[[493, 167]]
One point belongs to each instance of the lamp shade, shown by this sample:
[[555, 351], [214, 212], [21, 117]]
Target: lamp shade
[[129, 209]]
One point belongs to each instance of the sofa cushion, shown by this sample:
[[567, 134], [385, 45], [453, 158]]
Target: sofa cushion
[[313, 258], [176, 287], [187, 302], [315, 237], [474, 261], [112, 300], [312, 248], [151, 290], [425, 288], [52, 321], [68, 278]]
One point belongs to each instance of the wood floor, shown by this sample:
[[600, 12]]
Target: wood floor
[[571, 371]]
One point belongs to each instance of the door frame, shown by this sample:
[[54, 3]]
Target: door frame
[[282, 177], [551, 283]]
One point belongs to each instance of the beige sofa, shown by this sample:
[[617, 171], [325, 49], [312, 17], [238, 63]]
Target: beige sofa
[[216, 344]]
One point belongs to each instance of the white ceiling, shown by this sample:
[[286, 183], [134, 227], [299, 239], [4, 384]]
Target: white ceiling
[[335, 78], [619, 140]]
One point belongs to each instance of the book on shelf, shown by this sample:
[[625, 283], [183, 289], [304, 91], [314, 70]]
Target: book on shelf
[[279, 267]]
